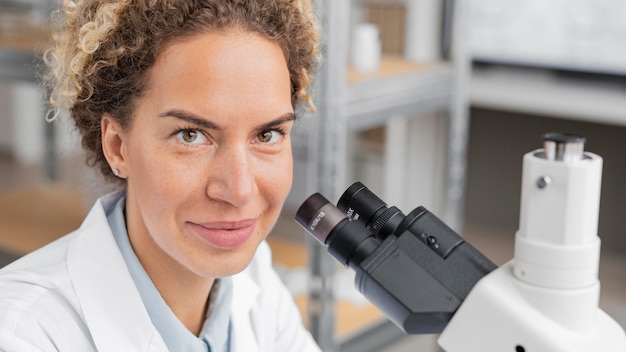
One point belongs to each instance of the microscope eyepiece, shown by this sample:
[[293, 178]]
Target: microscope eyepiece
[[319, 217], [361, 204]]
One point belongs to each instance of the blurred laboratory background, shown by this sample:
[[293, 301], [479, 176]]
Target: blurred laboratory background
[[426, 102]]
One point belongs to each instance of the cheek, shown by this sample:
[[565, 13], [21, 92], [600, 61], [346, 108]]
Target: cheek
[[277, 180], [156, 174]]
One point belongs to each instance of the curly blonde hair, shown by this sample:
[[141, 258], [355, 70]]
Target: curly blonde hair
[[103, 49]]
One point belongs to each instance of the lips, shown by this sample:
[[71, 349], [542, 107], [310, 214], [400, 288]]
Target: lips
[[225, 235]]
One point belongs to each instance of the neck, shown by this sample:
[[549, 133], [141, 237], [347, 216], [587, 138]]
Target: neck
[[187, 297], [188, 300], [185, 292]]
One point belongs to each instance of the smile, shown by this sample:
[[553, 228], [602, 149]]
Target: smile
[[225, 235]]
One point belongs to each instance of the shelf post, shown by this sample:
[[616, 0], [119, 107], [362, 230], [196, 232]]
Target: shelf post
[[458, 126], [327, 158]]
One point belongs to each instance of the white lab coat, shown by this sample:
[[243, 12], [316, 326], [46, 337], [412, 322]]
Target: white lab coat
[[76, 294]]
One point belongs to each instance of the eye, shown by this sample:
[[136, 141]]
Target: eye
[[269, 136], [191, 136]]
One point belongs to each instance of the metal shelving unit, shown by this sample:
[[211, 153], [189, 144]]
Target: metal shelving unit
[[19, 61], [419, 90], [349, 103]]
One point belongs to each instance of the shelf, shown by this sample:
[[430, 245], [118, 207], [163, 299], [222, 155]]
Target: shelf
[[18, 50], [399, 87], [540, 92], [27, 39], [389, 66]]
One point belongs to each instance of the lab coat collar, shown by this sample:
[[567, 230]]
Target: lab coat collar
[[98, 271]]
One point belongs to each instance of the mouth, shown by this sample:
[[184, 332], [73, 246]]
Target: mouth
[[225, 234]]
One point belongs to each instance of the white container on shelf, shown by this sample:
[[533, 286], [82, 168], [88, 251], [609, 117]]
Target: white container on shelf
[[366, 48], [423, 32]]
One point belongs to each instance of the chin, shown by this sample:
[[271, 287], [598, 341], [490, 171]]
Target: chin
[[227, 263]]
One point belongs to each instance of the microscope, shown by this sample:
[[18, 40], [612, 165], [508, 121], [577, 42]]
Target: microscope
[[427, 279]]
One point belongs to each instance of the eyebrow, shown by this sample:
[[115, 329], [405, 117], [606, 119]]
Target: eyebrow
[[196, 120], [279, 121], [190, 118]]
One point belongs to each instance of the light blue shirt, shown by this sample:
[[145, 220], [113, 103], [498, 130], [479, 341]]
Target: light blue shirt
[[215, 334]]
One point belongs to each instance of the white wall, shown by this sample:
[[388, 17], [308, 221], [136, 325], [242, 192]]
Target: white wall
[[579, 34]]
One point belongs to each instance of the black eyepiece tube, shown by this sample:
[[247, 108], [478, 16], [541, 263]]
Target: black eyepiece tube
[[361, 204], [318, 217], [323, 220]]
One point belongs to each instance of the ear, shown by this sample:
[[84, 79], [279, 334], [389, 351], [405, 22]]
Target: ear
[[113, 145]]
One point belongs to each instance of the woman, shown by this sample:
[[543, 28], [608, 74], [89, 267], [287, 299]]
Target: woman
[[189, 104]]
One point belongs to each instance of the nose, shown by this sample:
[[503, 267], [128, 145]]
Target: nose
[[232, 178]]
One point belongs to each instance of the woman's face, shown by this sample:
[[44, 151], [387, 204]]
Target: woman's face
[[208, 155]]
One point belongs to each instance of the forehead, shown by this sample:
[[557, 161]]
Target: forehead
[[216, 51], [220, 70]]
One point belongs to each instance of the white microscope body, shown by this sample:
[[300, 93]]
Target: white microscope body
[[545, 299]]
